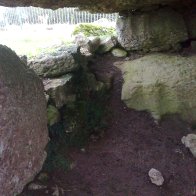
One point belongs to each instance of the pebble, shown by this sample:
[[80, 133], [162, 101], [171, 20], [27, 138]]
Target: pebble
[[190, 142], [156, 177]]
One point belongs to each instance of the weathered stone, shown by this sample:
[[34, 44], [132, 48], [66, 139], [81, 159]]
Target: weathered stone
[[161, 84], [106, 78], [107, 44], [156, 177], [60, 90], [93, 84], [158, 30], [93, 44], [53, 115], [81, 40], [96, 5], [90, 44], [190, 142], [58, 63], [118, 52], [24, 59], [23, 123]]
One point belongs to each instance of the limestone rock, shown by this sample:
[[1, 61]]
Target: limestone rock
[[156, 177], [23, 122], [60, 90], [161, 84], [57, 63], [107, 44], [117, 52], [90, 44], [158, 30], [190, 142], [53, 115]]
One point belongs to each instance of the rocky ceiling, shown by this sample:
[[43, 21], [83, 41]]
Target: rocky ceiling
[[97, 5]]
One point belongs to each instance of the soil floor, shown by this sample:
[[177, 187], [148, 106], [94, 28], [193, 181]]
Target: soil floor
[[117, 163]]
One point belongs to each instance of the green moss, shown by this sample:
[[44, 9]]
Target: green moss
[[53, 115], [93, 30]]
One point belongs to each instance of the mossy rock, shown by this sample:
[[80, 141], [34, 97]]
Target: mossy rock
[[93, 30], [118, 52], [161, 84], [53, 115]]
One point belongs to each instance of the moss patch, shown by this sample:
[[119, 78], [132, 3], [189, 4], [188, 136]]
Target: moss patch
[[93, 30]]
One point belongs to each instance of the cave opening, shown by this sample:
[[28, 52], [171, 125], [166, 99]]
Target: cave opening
[[37, 30], [118, 104]]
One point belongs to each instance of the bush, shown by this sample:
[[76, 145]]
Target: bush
[[93, 30]]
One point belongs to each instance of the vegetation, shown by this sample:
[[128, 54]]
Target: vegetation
[[93, 30], [33, 42], [80, 120]]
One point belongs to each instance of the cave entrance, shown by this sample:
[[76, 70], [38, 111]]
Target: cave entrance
[[36, 29]]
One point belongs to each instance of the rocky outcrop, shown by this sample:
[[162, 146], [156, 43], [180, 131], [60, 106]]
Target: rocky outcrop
[[161, 84], [23, 123], [62, 61], [158, 30], [97, 5]]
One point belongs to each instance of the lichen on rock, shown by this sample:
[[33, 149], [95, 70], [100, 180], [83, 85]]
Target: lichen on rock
[[161, 84], [60, 62]]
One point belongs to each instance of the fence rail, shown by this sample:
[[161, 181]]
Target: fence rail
[[32, 15]]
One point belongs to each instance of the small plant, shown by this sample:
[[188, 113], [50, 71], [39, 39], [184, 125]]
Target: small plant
[[93, 30]]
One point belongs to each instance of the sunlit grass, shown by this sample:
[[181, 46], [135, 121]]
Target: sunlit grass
[[35, 39]]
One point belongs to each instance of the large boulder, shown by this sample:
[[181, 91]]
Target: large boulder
[[157, 30], [161, 84], [23, 123], [57, 63], [96, 5]]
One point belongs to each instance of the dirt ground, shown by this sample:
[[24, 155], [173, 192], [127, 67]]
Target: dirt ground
[[117, 163]]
